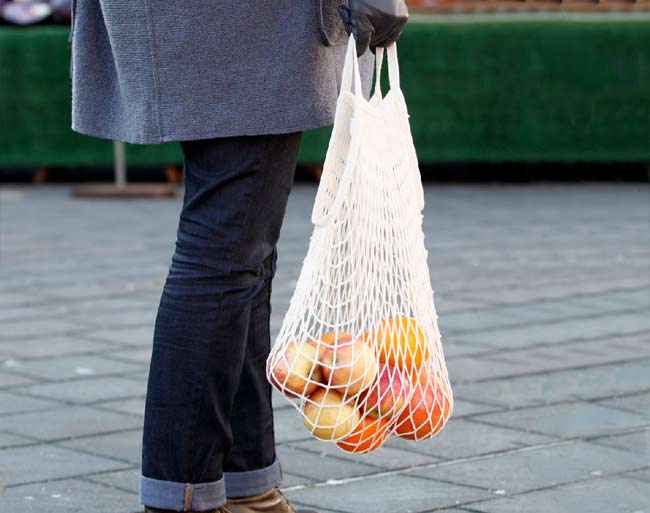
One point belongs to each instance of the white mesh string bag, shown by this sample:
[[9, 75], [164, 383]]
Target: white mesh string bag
[[359, 351]]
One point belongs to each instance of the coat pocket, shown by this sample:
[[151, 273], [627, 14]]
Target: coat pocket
[[332, 30]]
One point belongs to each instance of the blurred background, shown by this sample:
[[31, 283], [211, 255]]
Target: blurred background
[[531, 121], [558, 87]]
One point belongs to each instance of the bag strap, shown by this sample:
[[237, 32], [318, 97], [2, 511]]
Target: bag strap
[[393, 68], [351, 79]]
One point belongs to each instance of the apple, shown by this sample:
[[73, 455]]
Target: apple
[[330, 339], [387, 394], [295, 370], [428, 409], [349, 366], [328, 417]]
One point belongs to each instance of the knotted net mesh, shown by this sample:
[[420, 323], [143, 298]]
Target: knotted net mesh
[[359, 351]]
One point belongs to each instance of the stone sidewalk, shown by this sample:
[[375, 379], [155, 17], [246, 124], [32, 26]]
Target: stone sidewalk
[[544, 301]]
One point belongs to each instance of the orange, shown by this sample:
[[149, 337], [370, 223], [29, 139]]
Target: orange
[[400, 342], [369, 435], [427, 411]]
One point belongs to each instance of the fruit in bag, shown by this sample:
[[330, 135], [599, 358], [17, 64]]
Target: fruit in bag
[[349, 366], [368, 436], [387, 394], [328, 417], [401, 343], [295, 370], [427, 411]]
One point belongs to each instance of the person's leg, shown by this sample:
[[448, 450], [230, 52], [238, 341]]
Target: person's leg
[[252, 467], [209, 301], [251, 420]]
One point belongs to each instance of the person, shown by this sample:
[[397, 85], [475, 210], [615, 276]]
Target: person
[[236, 82]]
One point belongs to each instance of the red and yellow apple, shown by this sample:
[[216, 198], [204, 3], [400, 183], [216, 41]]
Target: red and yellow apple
[[327, 415], [387, 394], [295, 370], [330, 339], [349, 366]]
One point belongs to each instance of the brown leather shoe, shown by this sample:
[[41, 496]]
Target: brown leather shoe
[[154, 510], [268, 502]]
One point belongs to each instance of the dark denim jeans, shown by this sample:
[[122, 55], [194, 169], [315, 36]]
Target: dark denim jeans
[[208, 430]]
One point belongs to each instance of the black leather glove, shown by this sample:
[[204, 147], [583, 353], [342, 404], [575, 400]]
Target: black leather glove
[[374, 22]]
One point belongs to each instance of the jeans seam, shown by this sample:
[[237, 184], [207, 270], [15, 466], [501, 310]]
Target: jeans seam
[[188, 497]]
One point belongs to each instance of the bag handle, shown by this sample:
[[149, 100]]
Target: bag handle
[[351, 70], [326, 206], [393, 68]]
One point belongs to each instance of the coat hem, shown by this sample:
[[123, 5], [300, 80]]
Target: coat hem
[[102, 133]]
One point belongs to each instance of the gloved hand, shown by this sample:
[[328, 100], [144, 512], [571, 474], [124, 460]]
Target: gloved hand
[[374, 22]]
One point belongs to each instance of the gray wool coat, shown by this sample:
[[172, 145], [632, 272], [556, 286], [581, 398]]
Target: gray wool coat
[[149, 71]]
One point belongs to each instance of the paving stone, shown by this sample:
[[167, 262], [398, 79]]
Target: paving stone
[[481, 367], [446, 302], [637, 442], [319, 467], [17, 464], [385, 457], [133, 406], [108, 305], [127, 480], [37, 328], [454, 348], [320, 510], [598, 495], [125, 445], [642, 475], [463, 438], [568, 420], [558, 332], [17, 298], [12, 403], [594, 304], [141, 336], [635, 297], [69, 496], [464, 322], [464, 408], [26, 313], [139, 356], [84, 391], [534, 312], [72, 366], [537, 468], [49, 346], [387, 494], [106, 319], [7, 379], [544, 388], [289, 480], [574, 355], [12, 440], [289, 427], [639, 403], [69, 422]]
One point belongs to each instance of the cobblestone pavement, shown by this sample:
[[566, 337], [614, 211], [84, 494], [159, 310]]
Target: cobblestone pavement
[[543, 295]]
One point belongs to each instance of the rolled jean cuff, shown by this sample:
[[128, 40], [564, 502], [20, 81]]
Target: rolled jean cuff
[[182, 496], [252, 482]]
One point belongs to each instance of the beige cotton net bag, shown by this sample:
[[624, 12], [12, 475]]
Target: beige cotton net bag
[[359, 351]]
